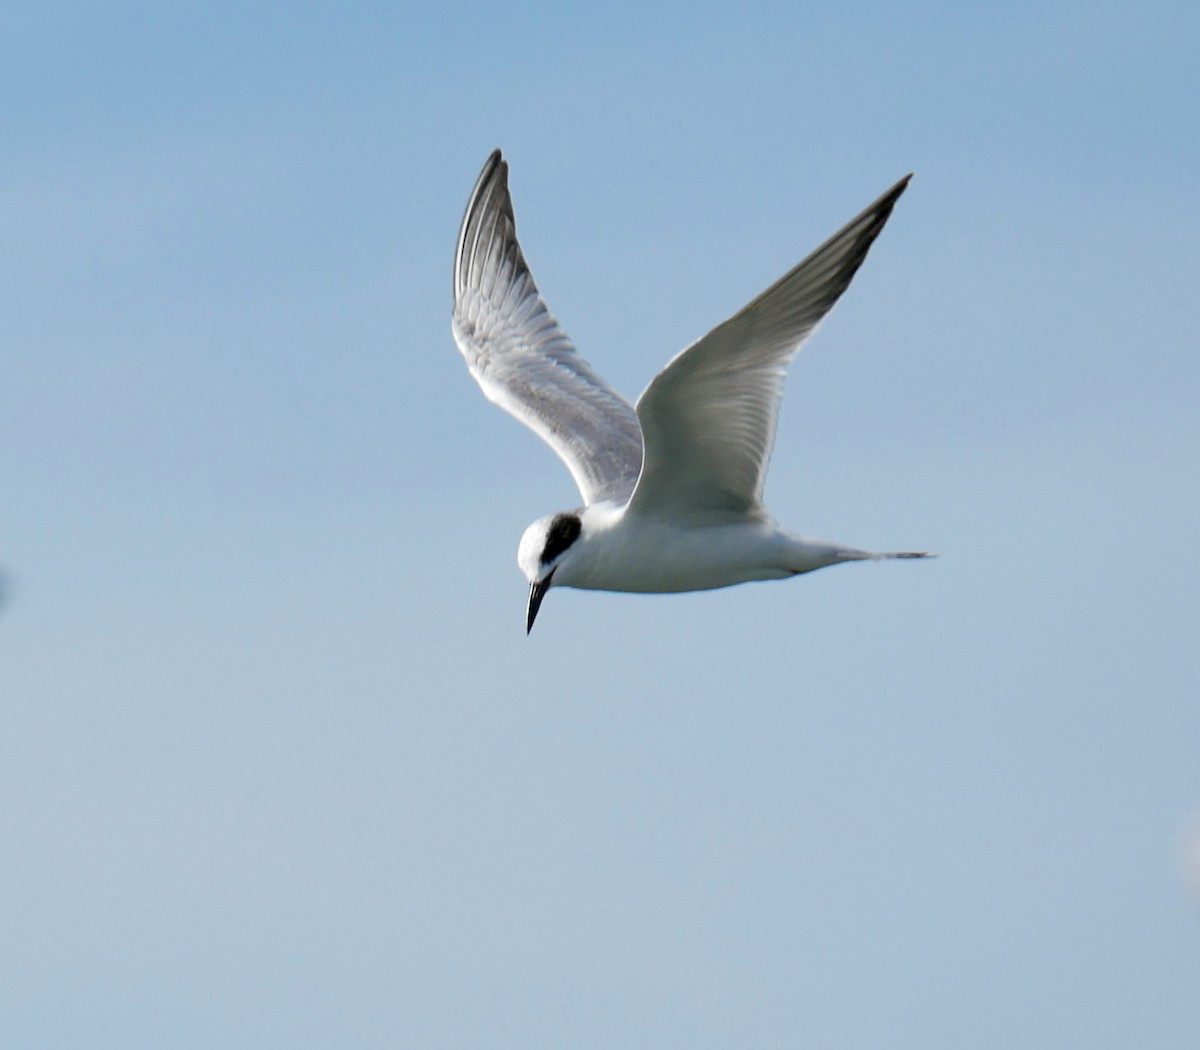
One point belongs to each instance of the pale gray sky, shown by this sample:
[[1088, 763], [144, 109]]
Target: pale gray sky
[[278, 766]]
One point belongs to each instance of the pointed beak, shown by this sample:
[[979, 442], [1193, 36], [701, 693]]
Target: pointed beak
[[537, 591]]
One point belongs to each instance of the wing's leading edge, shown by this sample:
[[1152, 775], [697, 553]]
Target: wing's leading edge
[[523, 360]]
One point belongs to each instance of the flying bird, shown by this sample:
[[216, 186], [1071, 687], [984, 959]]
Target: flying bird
[[671, 487]]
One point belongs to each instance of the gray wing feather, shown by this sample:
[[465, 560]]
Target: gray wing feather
[[523, 360], [708, 419]]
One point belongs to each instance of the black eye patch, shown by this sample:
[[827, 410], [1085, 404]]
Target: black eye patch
[[564, 530]]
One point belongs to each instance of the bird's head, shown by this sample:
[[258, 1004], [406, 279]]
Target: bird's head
[[544, 547]]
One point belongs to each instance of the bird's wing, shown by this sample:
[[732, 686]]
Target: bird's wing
[[524, 361], [708, 418]]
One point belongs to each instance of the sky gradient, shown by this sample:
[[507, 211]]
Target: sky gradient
[[278, 765]]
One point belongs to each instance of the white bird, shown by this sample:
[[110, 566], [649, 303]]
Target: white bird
[[672, 489]]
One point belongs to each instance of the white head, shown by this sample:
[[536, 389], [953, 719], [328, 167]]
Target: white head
[[543, 547]]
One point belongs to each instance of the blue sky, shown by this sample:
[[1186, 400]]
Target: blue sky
[[278, 766]]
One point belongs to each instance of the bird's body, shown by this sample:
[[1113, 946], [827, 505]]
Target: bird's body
[[672, 489], [620, 552]]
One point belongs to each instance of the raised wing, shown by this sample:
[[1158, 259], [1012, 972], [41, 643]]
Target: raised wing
[[523, 360], [708, 418]]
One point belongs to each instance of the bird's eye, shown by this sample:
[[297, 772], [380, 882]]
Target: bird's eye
[[564, 530]]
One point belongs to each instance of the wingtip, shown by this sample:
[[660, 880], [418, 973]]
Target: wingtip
[[882, 208], [491, 183], [495, 158], [494, 166], [899, 188]]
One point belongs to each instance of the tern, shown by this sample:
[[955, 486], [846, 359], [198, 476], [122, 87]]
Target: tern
[[671, 487]]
